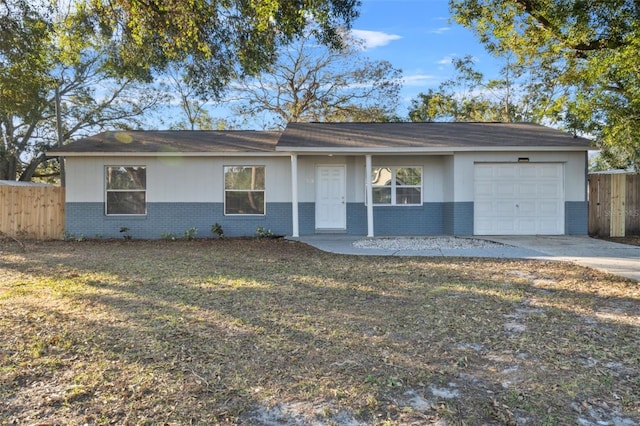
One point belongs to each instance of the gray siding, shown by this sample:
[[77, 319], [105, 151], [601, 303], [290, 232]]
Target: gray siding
[[388, 221], [458, 218], [576, 218], [89, 221], [357, 219], [307, 218], [409, 220]]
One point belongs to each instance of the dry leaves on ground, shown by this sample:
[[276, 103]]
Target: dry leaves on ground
[[274, 332]]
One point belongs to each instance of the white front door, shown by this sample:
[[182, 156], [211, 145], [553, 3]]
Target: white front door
[[331, 206], [519, 199]]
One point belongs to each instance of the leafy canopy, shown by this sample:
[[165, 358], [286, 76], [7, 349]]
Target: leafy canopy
[[467, 96], [47, 50], [519, 93], [95, 53], [588, 47], [215, 38]]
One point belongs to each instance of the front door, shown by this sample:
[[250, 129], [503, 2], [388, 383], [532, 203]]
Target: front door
[[331, 207]]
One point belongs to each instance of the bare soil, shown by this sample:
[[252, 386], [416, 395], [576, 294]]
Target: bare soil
[[271, 332], [633, 240]]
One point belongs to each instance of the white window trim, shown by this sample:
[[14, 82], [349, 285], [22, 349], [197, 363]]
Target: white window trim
[[394, 186], [107, 191], [224, 191]]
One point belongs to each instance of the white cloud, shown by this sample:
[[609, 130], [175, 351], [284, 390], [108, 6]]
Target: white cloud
[[446, 60], [417, 80], [440, 30], [373, 39]]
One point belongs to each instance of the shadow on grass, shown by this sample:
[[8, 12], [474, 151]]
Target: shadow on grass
[[242, 331]]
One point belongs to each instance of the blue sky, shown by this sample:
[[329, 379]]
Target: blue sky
[[418, 37]]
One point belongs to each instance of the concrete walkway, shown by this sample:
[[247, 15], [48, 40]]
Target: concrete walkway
[[619, 259]]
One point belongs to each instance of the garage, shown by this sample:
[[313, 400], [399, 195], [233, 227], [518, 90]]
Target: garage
[[518, 199]]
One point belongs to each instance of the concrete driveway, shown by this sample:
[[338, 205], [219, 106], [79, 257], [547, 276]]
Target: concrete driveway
[[619, 259]]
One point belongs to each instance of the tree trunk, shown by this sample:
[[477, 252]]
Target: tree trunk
[[8, 167], [30, 170]]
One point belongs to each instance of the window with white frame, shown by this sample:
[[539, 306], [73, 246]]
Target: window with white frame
[[126, 188], [396, 185], [244, 190]]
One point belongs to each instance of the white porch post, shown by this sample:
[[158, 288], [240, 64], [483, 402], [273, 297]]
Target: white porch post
[[369, 187], [295, 232]]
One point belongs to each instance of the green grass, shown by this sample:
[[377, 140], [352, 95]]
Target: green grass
[[239, 331]]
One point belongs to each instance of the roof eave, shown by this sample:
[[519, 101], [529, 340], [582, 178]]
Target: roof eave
[[283, 151], [430, 150], [164, 154]]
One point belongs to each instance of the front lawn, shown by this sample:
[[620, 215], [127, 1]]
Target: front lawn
[[271, 332]]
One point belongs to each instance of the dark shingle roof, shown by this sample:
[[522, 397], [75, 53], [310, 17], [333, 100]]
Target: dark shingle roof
[[173, 141], [327, 137], [363, 136]]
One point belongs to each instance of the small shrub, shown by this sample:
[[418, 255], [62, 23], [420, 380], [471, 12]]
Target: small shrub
[[68, 236], [190, 234], [124, 230], [168, 236], [216, 229], [264, 233]]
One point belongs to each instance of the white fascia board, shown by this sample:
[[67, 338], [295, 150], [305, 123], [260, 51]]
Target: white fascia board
[[432, 150], [168, 154], [281, 152], [365, 151]]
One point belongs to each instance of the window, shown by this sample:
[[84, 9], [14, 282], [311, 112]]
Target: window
[[397, 185], [126, 190], [244, 190]]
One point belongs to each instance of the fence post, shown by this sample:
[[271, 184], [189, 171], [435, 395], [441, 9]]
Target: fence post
[[618, 207], [614, 204]]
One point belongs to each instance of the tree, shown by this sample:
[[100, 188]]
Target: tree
[[55, 54], [192, 104], [589, 47], [515, 96], [23, 73], [215, 39], [310, 82]]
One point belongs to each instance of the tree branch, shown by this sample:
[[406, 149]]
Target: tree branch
[[596, 44]]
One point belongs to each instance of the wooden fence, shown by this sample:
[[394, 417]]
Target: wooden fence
[[33, 212], [614, 205]]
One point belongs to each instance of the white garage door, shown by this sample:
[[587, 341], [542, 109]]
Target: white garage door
[[519, 199]]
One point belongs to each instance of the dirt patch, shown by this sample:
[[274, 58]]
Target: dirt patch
[[633, 240], [272, 332]]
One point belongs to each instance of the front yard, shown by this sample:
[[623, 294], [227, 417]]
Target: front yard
[[270, 332]]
